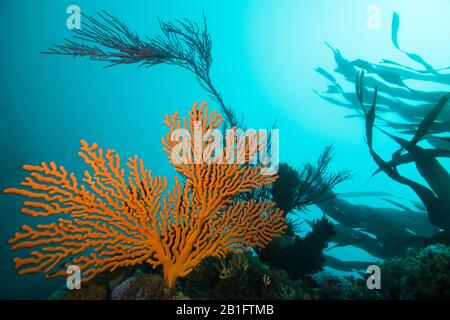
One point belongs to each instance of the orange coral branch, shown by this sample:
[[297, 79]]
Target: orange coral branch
[[109, 223], [116, 219]]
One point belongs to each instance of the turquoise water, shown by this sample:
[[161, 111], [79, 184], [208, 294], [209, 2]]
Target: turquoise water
[[264, 53]]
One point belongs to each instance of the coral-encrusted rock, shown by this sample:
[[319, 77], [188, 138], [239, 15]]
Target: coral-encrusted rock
[[98, 288], [145, 287], [419, 275], [93, 291]]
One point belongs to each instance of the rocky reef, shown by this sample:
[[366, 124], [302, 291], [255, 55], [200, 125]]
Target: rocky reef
[[421, 274]]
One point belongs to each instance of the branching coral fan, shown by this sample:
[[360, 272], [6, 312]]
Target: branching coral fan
[[116, 219]]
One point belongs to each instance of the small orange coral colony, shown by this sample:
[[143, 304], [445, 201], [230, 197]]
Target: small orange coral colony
[[118, 219]]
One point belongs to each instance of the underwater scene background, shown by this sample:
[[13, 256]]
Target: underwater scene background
[[272, 61]]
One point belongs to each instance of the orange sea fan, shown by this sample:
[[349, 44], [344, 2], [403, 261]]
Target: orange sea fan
[[118, 219]]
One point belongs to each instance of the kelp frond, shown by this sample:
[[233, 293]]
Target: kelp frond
[[435, 199], [411, 103]]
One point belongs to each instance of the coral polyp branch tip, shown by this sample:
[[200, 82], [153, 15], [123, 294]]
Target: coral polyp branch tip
[[117, 217]]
